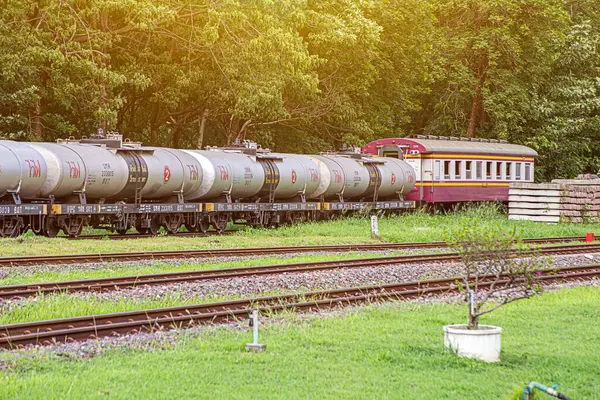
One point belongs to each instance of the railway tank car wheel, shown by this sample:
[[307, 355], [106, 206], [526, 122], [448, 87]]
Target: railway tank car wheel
[[203, 225], [190, 227], [219, 222], [154, 226], [10, 227], [51, 228], [142, 231]]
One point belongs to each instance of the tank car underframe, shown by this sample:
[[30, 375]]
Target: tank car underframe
[[49, 220]]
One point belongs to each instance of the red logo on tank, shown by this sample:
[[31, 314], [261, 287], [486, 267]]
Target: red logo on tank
[[393, 179], [167, 175], [35, 170], [74, 169], [338, 176], [294, 176], [194, 172], [223, 173]]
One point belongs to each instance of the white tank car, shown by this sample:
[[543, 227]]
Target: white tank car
[[355, 176], [397, 177], [169, 171], [107, 173], [22, 168], [332, 180], [66, 170], [298, 175], [227, 173]]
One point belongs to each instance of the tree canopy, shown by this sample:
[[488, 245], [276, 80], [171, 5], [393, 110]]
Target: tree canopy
[[306, 75]]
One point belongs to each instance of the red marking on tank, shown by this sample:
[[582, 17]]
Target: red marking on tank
[[337, 176], [393, 179], [194, 173], [74, 169], [294, 176], [35, 169], [224, 174], [167, 175], [410, 179]]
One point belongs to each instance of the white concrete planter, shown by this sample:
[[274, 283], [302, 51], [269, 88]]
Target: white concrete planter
[[482, 343]]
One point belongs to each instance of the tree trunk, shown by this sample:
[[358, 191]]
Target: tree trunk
[[234, 124], [176, 135], [36, 120], [154, 125], [476, 107], [473, 321], [477, 104], [201, 128]]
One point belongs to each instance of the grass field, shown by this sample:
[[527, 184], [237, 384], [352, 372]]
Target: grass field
[[387, 351], [413, 227]]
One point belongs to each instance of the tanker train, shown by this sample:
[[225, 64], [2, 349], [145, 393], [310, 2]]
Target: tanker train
[[105, 182]]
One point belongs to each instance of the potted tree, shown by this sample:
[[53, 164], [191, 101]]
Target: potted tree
[[491, 277]]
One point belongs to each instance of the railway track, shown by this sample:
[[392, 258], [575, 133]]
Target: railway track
[[146, 236], [115, 283], [240, 252], [95, 326]]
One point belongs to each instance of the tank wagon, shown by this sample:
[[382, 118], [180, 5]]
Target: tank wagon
[[451, 170], [105, 182]]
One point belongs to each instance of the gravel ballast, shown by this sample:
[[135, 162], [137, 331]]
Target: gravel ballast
[[292, 282]]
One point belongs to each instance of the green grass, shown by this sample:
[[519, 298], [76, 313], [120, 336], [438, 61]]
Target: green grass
[[119, 269], [390, 351], [413, 227]]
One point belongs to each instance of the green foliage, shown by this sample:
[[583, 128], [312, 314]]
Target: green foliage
[[306, 75]]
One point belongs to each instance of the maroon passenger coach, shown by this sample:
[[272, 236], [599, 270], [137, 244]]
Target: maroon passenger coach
[[453, 170]]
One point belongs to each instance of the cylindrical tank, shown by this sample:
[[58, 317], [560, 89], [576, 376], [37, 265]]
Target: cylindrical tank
[[107, 172], [233, 173], [298, 174], [21, 167], [66, 170], [332, 177], [356, 176], [397, 177], [169, 171]]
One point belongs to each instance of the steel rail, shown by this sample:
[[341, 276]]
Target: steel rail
[[232, 252], [149, 235], [115, 283], [133, 322]]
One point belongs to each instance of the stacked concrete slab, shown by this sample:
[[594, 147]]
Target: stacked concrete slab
[[563, 200]]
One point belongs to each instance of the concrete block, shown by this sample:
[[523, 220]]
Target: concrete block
[[519, 211], [534, 199], [256, 348], [537, 218], [543, 206]]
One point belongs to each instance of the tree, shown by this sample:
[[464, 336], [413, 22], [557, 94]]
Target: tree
[[492, 275], [566, 118], [492, 55]]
